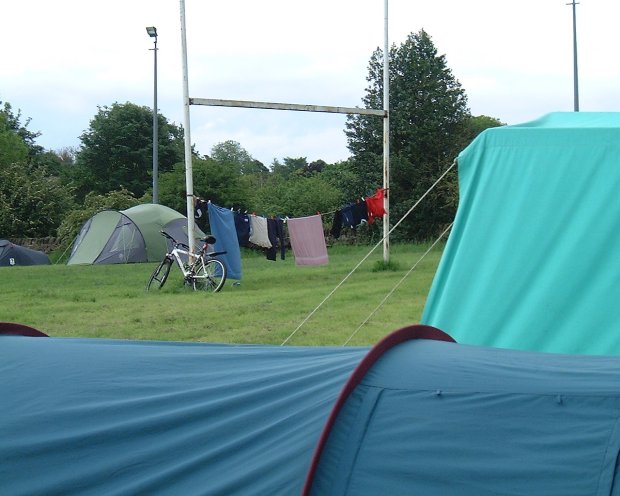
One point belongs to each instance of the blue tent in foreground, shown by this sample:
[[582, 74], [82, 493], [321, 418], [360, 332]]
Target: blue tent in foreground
[[410, 416]]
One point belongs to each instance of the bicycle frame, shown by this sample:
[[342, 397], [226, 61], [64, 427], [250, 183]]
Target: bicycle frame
[[201, 271], [178, 252]]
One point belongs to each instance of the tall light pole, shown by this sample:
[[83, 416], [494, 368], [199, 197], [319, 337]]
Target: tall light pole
[[575, 71], [152, 31]]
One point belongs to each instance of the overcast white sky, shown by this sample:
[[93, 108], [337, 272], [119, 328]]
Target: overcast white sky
[[62, 59]]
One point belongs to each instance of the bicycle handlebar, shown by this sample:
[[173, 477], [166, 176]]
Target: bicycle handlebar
[[208, 240]]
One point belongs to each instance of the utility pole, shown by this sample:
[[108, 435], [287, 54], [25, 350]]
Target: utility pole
[[575, 71]]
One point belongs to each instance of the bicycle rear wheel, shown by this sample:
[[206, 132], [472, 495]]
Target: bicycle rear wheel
[[160, 274], [210, 275]]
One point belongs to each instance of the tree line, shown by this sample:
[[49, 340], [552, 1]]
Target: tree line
[[51, 193]]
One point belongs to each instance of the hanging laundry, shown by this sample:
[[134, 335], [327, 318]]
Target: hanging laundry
[[360, 212], [275, 231], [337, 224], [200, 207], [347, 216], [222, 225], [375, 205], [308, 240], [353, 214], [259, 236], [242, 225]]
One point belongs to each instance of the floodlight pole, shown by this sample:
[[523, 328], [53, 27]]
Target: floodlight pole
[[152, 31], [386, 138], [575, 71]]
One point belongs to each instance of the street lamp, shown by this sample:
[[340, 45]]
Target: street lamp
[[152, 32]]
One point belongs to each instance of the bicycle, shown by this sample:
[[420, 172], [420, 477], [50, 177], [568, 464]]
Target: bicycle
[[204, 273]]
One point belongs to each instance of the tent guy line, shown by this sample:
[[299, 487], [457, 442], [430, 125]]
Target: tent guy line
[[397, 285]]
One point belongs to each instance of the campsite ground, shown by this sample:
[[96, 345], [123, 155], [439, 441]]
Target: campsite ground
[[270, 302]]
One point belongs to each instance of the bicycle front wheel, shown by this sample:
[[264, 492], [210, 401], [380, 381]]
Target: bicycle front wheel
[[160, 274], [210, 275]]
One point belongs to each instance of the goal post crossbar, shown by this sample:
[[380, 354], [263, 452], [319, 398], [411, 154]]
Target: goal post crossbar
[[216, 102]]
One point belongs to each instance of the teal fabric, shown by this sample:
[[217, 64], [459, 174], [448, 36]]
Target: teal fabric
[[533, 259], [444, 419], [111, 417], [88, 416]]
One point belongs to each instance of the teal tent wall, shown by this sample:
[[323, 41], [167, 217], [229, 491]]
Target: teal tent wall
[[105, 417], [532, 261], [434, 418]]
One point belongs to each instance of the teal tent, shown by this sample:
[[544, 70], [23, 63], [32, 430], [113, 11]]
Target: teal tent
[[532, 261], [131, 235], [104, 417], [416, 414], [434, 418]]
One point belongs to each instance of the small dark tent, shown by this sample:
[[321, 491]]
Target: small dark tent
[[127, 236], [411, 416], [12, 254]]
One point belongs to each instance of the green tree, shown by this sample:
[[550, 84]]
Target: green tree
[[32, 204], [12, 147], [216, 181], [288, 166], [296, 196], [250, 173], [343, 176], [117, 150], [427, 111], [316, 166], [233, 154], [473, 126], [13, 122]]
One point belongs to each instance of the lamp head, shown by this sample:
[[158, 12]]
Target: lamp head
[[152, 31]]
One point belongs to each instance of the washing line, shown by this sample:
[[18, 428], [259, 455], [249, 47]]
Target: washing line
[[370, 252]]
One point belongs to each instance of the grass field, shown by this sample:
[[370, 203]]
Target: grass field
[[270, 302]]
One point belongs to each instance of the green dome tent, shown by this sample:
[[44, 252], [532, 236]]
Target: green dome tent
[[128, 236]]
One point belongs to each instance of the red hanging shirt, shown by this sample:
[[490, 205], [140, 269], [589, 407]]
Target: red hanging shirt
[[375, 205]]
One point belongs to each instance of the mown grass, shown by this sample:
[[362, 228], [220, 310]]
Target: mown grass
[[270, 302]]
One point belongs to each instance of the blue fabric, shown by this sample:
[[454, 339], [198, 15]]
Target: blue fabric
[[242, 225], [440, 419], [88, 416], [532, 261], [222, 222]]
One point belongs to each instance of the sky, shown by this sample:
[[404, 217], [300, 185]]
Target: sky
[[62, 60]]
